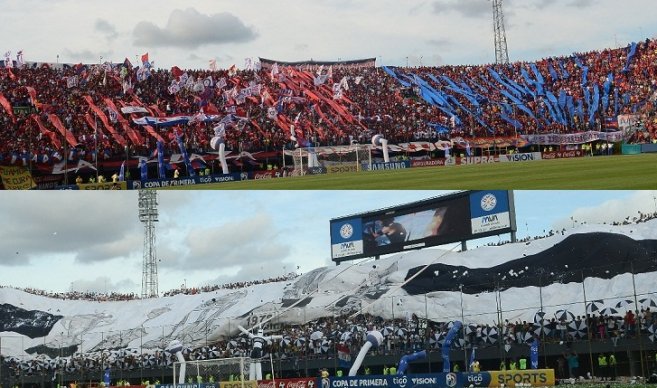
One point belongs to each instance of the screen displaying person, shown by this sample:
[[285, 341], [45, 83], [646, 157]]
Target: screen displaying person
[[389, 232], [383, 232]]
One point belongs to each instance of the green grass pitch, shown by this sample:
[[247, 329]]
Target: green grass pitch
[[601, 172]]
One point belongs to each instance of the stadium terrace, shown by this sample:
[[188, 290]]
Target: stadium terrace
[[601, 302], [91, 119]]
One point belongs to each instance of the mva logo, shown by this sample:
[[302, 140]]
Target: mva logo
[[489, 219], [347, 245]]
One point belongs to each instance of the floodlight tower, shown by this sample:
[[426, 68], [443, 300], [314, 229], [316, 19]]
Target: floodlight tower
[[148, 216], [501, 51]]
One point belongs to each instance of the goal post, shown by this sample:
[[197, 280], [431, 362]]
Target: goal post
[[353, 156], [234, 369]]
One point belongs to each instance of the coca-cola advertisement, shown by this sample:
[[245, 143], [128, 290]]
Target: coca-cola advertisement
[[306, 382], [563, 154], [267, 174]]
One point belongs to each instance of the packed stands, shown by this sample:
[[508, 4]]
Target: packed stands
[[109, 113], [338, 337]]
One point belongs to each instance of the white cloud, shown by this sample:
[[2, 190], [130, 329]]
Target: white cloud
[[320, 29], [617, 210], [468, 8], [190, 29], [103, 284], [241, 242], [106, 28], [65, 223]]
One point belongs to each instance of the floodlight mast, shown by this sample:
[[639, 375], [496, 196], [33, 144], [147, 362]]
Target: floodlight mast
[[501, 51], [148, 216]]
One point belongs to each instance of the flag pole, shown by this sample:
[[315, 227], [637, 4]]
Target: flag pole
[[586, 320], [638, 319], [96, 142], [465, 349], [500, 320]]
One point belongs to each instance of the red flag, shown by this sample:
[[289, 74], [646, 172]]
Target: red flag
[[210, 109], [101, 115], [5, 104], [52, 135], [11, 74], [144, 58], [132, 134], [70, 139], [176, 72]]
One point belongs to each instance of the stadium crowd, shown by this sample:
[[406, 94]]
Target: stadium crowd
[[642, 217], [230, 286], [117, 296], [340, 339], [50, 113]]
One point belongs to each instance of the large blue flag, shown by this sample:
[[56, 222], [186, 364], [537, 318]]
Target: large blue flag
[[122, 172], [447, 345], [143, 169], [160, 160], [533, 354], [472, 358], [630, 55], [183, 151]]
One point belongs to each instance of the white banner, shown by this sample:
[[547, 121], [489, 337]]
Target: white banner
[[574, 138], [490, 222], [133, 109], [347, 248], [526, 157]]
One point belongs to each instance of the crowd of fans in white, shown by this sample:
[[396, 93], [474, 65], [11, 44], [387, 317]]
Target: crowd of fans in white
[[342, 336]]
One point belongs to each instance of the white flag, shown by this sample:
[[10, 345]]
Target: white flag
[[248, 64], [19, 58], [113, 116], [343, 83], [72, 82], [8, 62]]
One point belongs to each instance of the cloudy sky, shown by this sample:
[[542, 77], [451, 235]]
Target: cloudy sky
[[396, 32], [58, 241]]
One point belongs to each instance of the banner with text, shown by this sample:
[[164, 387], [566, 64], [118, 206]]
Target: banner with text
[[522, 378], [307, 382], [103, 186], [526, 157], [387, 166], [16, 178], [197, 180], [562, 154], [427, 162], [340, 168], [436, 380], [574, 138]]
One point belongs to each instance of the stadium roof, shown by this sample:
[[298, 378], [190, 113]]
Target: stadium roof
[[366, 62]]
